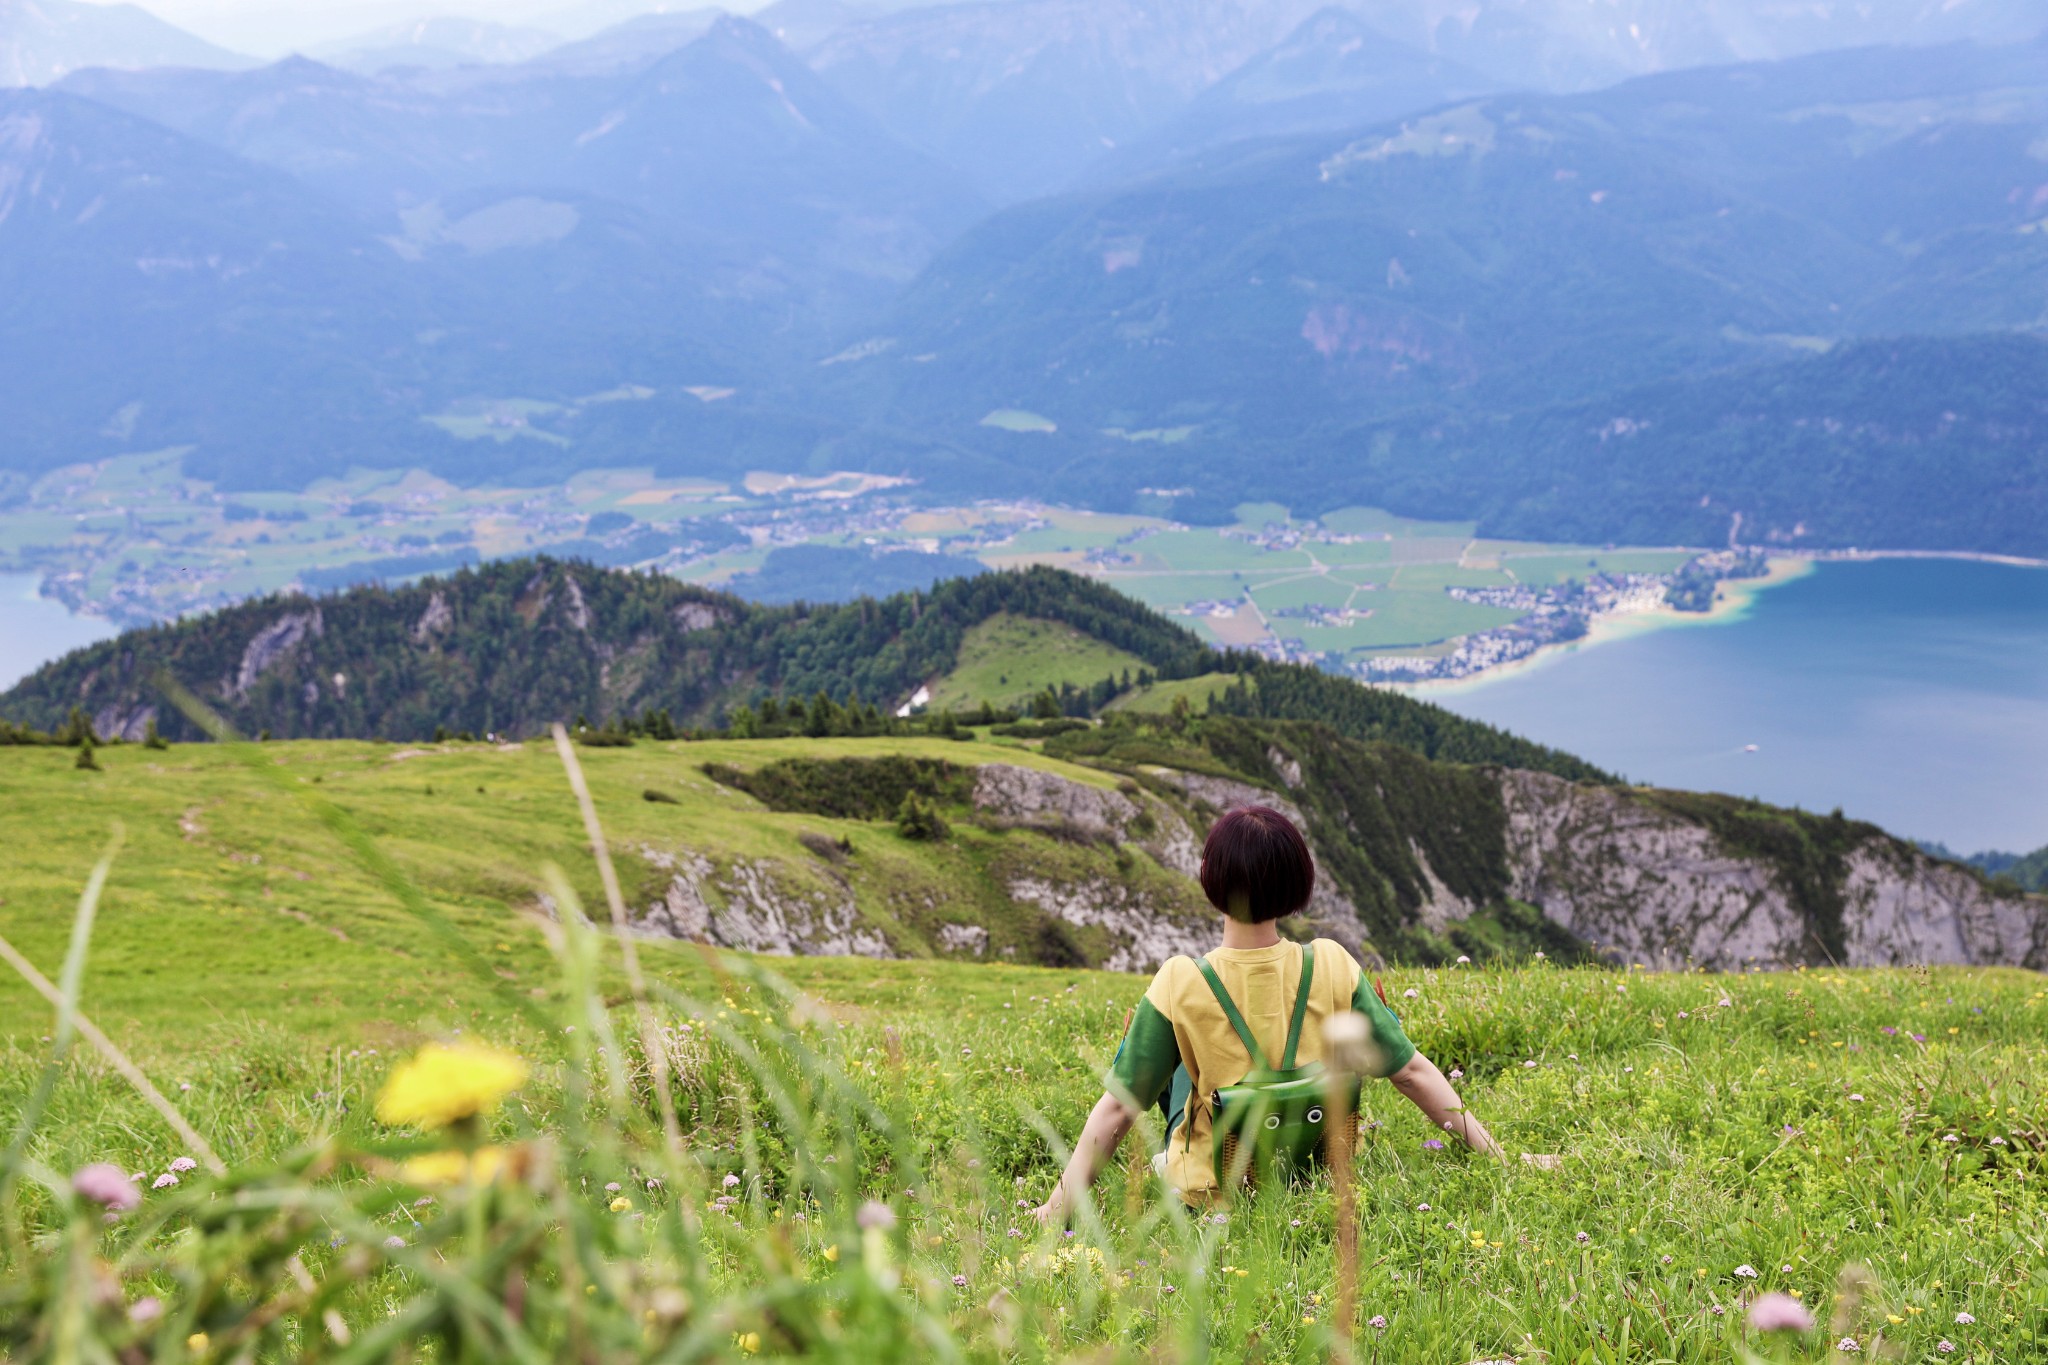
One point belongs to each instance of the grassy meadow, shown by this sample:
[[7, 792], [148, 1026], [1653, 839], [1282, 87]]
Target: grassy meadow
[[854, 1142]]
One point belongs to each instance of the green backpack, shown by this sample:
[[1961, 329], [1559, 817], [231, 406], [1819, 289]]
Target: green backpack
[[1271, 1120]]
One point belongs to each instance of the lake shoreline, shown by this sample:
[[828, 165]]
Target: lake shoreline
[[1733, 598], [1906, 693]]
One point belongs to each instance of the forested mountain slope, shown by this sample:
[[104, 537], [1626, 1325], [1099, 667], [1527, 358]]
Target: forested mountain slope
[[1319, 318], [1927, 443], [515, 645]]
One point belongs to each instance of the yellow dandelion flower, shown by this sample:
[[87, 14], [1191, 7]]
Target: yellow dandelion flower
[[480, 1167], [444, 1082], [621, 1204]]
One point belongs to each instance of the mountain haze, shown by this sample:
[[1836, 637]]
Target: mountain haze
[[430, 44], [42, 41], [1334, 71], [1020, 96]]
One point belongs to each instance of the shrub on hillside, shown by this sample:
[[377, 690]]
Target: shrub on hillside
[[918, 819]]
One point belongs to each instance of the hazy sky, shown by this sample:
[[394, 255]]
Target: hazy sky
[[269, 28]]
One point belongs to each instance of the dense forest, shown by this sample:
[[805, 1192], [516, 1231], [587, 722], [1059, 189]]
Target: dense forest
[[507, 648]]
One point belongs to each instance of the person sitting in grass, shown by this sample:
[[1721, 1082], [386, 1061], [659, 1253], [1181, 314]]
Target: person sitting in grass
[[1256, 869]]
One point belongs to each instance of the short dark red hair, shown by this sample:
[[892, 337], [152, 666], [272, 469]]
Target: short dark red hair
[[1256, 866]]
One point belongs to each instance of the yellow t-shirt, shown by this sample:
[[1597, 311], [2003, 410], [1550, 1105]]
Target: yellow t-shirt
[[1180, 1025]]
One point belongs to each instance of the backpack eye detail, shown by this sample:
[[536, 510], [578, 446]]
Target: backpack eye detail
[[1315, 1115]]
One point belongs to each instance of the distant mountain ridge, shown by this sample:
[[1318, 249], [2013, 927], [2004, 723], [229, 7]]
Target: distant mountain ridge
[[42, 41], [724, 258], [1334, 71], [431, 44], [1332, 310]]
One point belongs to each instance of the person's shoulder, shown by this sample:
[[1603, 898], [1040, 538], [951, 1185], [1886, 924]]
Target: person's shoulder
[[1175, 976], [1334, 956]]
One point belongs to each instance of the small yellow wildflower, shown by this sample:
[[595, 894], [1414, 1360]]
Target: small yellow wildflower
[[444, 1082], [748, 1342], [621, 1204], [1307, 1321], [197, 1342], [832, 1252], [1893, 1318], [480, 1167]]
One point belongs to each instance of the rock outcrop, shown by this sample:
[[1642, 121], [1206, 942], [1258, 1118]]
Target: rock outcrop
[[1651, 886], [271, 644], [754, 905]]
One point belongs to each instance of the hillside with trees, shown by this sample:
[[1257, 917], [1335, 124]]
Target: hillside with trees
[[509, 647]]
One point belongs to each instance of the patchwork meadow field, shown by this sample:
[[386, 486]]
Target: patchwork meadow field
[[835, 1159]]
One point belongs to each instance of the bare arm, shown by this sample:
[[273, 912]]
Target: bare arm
[[1107, 1124], [1430, 1092]]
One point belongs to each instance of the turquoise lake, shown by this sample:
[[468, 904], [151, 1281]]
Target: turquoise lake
[[1909, 692], [36, 629]]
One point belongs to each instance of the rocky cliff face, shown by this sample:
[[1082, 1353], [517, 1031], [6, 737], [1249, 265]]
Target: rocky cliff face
[[1665, 879], [1651, 886]]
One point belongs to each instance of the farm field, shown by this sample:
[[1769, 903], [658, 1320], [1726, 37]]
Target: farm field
[[855, 1137], [136, 539]]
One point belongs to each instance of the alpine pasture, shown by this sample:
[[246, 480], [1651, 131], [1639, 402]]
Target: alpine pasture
[[433, 1117]]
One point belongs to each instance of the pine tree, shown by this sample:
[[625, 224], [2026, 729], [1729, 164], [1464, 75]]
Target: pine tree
[[825, 718], [86, 761], [917, 819]]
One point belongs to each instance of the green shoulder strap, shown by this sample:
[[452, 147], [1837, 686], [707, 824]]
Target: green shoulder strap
[[1308, 974], [1244, 1035]]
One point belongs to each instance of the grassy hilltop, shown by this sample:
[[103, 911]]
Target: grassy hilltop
[[1706, 1126]]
